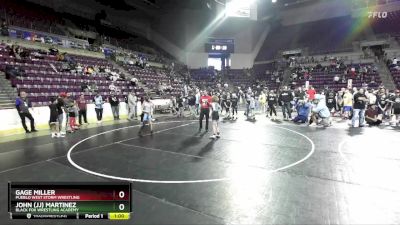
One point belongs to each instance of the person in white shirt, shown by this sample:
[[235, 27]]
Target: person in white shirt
[[132, 110], [215, 109], [98, 102], [147, 109], [197, 101], [112, 87]]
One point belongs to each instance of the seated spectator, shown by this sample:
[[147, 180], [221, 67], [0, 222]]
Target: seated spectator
[[85, 87], [372, 116], [60, 56], [79, 68], [13, 71], [54, 51], [336, 78], [113, 88], [93, 87], [65, 67]]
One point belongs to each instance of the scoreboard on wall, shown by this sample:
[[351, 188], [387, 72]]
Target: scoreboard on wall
[[69, 201], [214, 45]]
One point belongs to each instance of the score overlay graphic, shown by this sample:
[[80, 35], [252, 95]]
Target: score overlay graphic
[[69, 200]]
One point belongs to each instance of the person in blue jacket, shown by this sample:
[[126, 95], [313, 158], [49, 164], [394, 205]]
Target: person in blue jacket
[[303, 110]]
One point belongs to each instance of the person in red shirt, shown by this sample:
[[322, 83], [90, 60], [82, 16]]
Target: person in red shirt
[[311, 93], [205, 104]]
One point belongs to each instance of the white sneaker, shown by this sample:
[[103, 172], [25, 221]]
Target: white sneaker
[[53, 135], [213, 136], [60, 135]]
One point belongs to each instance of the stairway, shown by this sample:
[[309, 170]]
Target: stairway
[[385, 75], [7, 93], [286, 76], [129, 76]]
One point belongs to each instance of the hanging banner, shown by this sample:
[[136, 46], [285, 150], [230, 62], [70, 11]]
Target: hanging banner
[[350, 83]]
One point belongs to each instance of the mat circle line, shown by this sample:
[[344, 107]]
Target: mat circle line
[[312, 150]]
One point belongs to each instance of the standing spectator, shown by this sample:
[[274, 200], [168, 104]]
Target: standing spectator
[[98, 107], [285, 98], [192, 105], [82, 109], [359, 108], [383, 104], [23, 104], [114, 102], [216, 108], [235, 102], [132, 103], [347, 104], [262, 99], [72, 113], [205, 103], [396, 108], [311, 93], [60, 110], [179, 102], [272, 102], [197, 101], [54, 124]]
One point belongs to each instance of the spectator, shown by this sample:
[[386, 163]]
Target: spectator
[[147, 111], [82, 109], [372, 116], [53, 121], [23, 104], [134, 81], [114, 102], [303, 110], [132, 104], [60, 110], [285, 98], [320, 111], [205, 104], [98, 102], [359, 108], [311, 93], [192, 105], [347, 104], [396, 108]]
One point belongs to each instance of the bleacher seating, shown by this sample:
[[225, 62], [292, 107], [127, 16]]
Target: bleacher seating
[[153, 77], [323, 79], [396, 77], [203, 77], [42, 82]]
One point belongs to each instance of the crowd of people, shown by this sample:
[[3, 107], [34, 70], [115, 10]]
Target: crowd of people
[[302, 105]]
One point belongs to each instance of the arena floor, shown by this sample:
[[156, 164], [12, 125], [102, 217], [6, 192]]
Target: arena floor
[[256, 173]]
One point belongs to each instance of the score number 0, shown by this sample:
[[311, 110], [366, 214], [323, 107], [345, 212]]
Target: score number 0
[[121, 195]]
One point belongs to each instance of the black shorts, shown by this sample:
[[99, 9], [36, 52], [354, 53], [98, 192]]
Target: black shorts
[[53, 119], [396, 111], [215, 115], [331, 106]]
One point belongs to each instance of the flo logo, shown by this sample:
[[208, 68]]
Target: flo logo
[[380, 15]]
